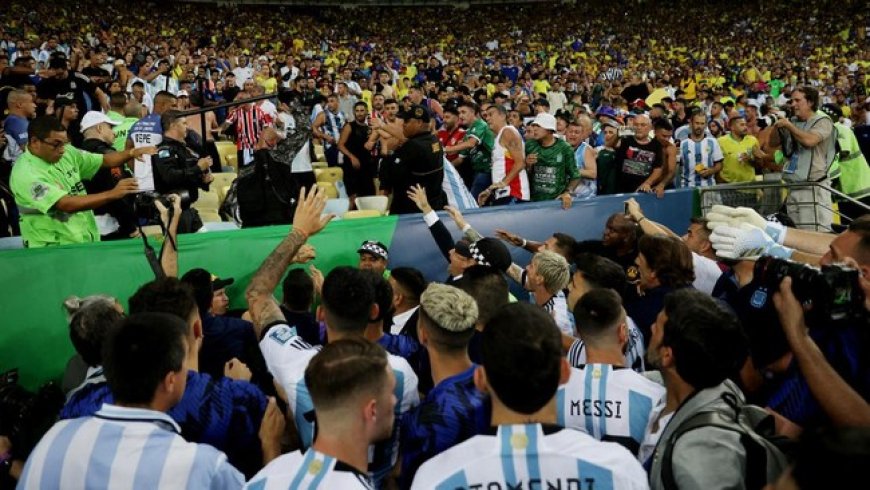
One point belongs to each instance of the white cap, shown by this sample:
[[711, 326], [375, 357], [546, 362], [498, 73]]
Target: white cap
[[182, 93], [92, 118], [545, 120], [754, 103]]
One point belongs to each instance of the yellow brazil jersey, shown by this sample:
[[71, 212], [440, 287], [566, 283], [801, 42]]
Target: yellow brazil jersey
[[737, 166]]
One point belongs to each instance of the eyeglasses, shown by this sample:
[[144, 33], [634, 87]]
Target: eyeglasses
[[56, 144]]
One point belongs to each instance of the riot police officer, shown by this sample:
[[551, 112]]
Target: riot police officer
[[177, 169], [420, 160]]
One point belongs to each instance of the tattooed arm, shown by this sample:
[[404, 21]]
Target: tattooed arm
[[306, 222]]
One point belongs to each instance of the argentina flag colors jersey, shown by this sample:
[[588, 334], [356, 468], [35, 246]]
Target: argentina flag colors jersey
[[308, 470], [532, 456], [610, 404]]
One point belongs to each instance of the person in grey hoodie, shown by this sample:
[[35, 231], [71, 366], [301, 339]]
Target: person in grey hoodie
[[698, 344]]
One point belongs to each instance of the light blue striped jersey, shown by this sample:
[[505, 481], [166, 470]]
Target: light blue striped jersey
[[705, 153], [634, 351], [610, 404], [588, 188], [123, 447], [532, 456], [287, 356], [458, 195], [308, 471]]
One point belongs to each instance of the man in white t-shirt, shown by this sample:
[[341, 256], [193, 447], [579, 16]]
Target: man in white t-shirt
[[604, 398], [525, 448]]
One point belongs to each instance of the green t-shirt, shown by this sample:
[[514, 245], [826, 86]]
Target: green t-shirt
[[776, 86], [554, 169], [38, 185], [114, 116], [121, 132], [608, 172], [480, 155]]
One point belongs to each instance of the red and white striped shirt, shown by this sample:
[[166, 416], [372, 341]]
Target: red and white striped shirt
[[249, 121]]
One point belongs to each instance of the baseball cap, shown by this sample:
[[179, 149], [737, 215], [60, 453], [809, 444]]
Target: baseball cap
[[202, 278], [545, 120], [182, 93], [92, 118], [606, 111], [489, 252], [415, 112], [375, 248], [754, 103], [57, 60]]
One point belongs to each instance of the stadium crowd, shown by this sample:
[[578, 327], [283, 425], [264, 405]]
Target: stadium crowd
[[732, 356]]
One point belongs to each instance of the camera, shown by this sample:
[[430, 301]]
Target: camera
[[769, 120], [26, 416], [833, 290], [144, 207]]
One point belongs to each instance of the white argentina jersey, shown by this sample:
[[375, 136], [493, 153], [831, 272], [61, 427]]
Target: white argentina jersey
[[123, 447], [308, 471], [287, 356], [634, 351], [610, 404], [532, 456], [696, 156]]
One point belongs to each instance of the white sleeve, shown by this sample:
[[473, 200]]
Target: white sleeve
[[717, 152], [285, 353]]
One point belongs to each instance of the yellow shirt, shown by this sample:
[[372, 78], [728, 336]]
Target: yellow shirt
[[736, 166], [541, 86], [367, 98]]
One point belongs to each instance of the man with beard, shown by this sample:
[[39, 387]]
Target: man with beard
[[739, 152], [701, 156], [359, 170]]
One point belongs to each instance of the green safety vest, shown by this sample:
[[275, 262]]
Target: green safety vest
[[852, 171]]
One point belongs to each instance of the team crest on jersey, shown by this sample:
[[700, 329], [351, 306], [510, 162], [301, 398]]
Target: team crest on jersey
[[519, 441], [38, 190], [632, 274], [759, 298], [558, 158], [596, 373], [163, 154], [315, 467], [436, 147], [282, 335]]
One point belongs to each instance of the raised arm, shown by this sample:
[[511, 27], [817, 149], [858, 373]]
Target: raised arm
[[306, 222]]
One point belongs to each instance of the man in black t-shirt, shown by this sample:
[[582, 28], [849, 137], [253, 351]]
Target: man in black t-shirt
[[99, 76], [639, 158], [87, 96]]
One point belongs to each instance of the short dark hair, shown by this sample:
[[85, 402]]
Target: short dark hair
[[411, 282], [488, 287], [141, 352], [344, 369], [298, 290], [498, 108], [669, 257], [42, 127], [469, 105], [700, 220], [565, 242], [137, 84], [361, 103], [600, 272], [861, 227], [390, 101], [169, 118], [91, 319], [118, 100], [162, 96], [663, 123], [383, 293], [521, 331], [597, 313], [347, 299], [811, 94], [167, 295], [708, 341]]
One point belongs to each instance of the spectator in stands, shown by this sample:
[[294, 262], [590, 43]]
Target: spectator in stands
[[454, 409], [639, 158], [359, 170], [577, 135], [699, 347], [146, 368], [327, 126], [664, 133], [476, 149], [520, 395], [607, 171], [510, 181], [700, 155], [116, 219], [21, 109], [46, 182], [740, 151]]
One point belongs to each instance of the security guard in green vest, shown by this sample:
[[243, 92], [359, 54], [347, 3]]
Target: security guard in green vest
[[849, 172]]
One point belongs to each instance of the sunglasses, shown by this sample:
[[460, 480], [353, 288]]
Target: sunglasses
[[54, 145]]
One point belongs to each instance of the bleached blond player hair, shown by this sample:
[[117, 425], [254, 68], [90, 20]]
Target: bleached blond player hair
[[554, 269]]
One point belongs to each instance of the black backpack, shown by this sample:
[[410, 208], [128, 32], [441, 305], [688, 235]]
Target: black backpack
[[266, 192], [766, 452]]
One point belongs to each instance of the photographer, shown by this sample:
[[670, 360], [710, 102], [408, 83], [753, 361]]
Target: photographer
[[180, 170], [808, 141]]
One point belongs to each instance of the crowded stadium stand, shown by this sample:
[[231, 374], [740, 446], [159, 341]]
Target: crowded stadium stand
[[429, 244]]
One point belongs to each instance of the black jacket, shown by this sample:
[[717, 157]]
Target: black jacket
[[104, 180], [175, 169]]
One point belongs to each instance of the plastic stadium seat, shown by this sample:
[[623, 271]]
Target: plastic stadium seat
[[225, 150], [322, 164], [378, 203], [365, 213], [207, 202], [337, 206], [232, 162], [209, 216], [329, 188], [330, 174], [221, 184]]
